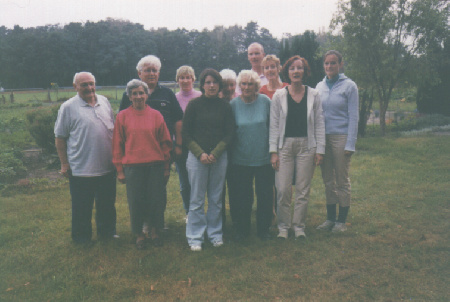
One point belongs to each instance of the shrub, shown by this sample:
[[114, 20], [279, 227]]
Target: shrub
[[434, 98], [11, 166], [41, 122], [423, 121]]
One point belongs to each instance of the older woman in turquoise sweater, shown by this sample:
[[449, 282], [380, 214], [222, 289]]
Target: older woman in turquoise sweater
[[339, 97], [251, 159]]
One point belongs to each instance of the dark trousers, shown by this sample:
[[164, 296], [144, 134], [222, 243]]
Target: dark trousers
[[146, 196], [240, 190], [84, 190]]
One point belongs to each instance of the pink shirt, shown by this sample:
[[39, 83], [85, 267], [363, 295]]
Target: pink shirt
[[184, 97], [140, 137]]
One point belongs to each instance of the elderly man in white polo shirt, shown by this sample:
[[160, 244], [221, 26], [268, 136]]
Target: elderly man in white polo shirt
[[83, 138]]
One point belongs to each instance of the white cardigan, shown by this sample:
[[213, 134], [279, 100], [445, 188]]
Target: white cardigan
[[278, 116]]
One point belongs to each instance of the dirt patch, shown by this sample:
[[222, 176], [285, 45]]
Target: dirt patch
[[39, 165]]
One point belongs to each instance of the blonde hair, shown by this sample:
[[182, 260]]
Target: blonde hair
[[185, 69], [272, 58]]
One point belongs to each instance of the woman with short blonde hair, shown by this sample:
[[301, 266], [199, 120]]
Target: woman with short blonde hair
[[185, 78], [271, 69]]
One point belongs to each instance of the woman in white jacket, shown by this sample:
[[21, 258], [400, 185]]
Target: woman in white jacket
[[297, 137]]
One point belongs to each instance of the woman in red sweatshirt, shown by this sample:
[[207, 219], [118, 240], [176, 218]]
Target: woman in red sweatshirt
[[141, 154]]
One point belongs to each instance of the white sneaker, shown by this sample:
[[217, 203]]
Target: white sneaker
[[326, 226], [196, 248], [218, 243], [145, 228], [339, 227], [282, 234], [300, 234]]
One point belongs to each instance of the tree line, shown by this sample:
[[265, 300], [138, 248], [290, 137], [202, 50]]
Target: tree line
[[110, 49], [385, 43]]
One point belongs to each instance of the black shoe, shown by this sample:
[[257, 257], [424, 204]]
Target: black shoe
[[239, 237], [141, 244], [265, 237], [158, 241]]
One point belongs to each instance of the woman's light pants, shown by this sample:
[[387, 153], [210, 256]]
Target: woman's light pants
[[335, 168], [205, 179], [294, 152]]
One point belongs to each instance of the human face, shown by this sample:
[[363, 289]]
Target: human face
[[229, 88], [150, 75], [211, 87], [255, 56], [248, 88], [138, 98], [185, 81], [85, 87], [270, 70], [331, 65], [296, 71]]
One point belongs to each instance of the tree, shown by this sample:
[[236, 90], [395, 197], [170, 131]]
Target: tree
[[382, 38], [306, 46]]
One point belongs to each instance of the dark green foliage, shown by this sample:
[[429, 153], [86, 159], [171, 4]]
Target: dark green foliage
[[434, 98], [11, 166], [40, 124], [433, 94], [306, 46], [111, 49]]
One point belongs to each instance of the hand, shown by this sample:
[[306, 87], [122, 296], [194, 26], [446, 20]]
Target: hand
[[348, 153], [177, 151], [204, 159], [318, 159], [121, 177], [212, 159], [65, 170], [275, 161]]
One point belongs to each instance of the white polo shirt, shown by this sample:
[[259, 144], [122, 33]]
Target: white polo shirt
[[88, 131]]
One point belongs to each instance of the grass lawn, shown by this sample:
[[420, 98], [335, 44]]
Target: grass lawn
[[396, 248]]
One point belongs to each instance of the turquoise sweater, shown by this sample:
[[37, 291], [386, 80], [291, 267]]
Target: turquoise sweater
[[251, 144]]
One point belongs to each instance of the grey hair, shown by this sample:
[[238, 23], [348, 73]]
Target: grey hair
[[75, 77], [333, 52], [133, 84], [228, 74], [185, 69], [249, 74], [149, 60], [256, 44]]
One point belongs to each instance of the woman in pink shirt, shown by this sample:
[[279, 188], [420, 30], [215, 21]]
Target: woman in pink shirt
[[141, 154], [185, 78]]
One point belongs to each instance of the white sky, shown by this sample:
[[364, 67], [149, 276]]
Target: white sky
[[278, 16]]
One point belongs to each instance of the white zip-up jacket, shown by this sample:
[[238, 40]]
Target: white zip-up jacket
[[278, 116]]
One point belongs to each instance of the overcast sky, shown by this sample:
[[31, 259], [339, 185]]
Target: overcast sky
[[285, 16]]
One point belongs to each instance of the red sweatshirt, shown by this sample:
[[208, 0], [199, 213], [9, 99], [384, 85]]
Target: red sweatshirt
[[140, 137]]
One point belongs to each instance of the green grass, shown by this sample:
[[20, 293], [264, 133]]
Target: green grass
[[396, 248]]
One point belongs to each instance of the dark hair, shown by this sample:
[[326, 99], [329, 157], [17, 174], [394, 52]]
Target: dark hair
[[285, 69], [210, 72], [333, 52]]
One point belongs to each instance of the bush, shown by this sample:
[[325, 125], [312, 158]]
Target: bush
[[434, 98], [11, 166], [421, 122], [41, 123]]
